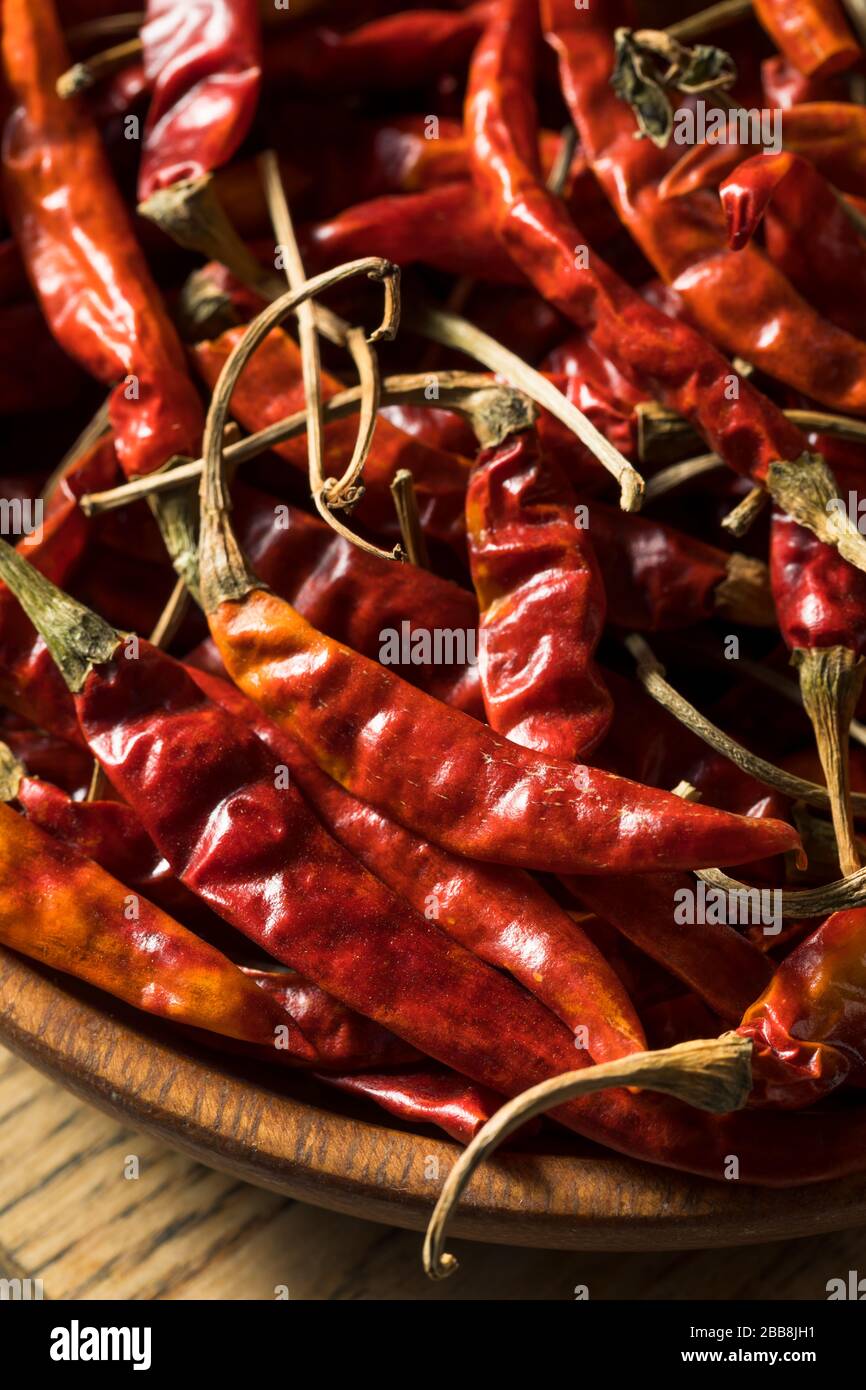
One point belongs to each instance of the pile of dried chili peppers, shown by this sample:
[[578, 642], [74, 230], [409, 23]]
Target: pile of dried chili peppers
[[433, 436]]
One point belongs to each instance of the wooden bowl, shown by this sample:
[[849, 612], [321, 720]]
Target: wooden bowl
[[281, 1132]]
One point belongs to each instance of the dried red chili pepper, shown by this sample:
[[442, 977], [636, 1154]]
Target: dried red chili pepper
[[784, 86], [74, 233], [434, 1096], [271, 387], [813, 34], [808, 1025], [744, 306], [421, 625], [722, 968], [501, 915], [595, 385], [60, 908], [658, 578], [821, 607], [203, 63], [446, 227], [542, 603], [808, 232], [400, 50]]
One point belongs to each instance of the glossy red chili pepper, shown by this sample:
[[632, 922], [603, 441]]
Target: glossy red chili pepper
[[271, 387], [830, 134], [74, 233], [596, 386], [445, 776], [203, 63], [445, 227], [434, 1096], [501, 915], [422, 626], [744, 306], [662, 356], [808, 1025], [542, 603], [784, 86], [813, 34], [797, 205], [62, 909]]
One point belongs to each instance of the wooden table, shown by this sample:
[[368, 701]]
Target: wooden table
[[69, 1216]]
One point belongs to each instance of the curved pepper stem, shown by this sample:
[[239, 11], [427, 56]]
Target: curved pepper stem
[[712, 1074]]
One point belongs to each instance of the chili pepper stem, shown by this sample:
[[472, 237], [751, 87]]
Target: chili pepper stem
[[831, 679], [494, 411], [77, 639], [713, 1074], [191, 213], [453, 332], [744, 595], [11, 773], [661, 432], [678, 473], [806, 489], [84, 75], [742, 517], [406, 507], [845, 893], [651, 675]]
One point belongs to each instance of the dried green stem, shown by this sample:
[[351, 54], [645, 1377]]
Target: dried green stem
[[713, 1074], [84, 75], [494, 411], [406, 507], [453, 332], [77, 639], [652, 677], [846, 893], [831, 679]]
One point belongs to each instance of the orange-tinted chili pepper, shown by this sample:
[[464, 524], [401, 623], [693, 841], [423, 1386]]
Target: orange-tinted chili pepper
[[784, 86], [808, 232], [808, 1026], [445, 776], [745, 306], [203, 63], [542, 603], [813, 34], [271, 387], [74, 233], [502, 915], [62, 909]]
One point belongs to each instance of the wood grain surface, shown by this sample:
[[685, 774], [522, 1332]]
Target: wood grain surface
[[69, 1216]]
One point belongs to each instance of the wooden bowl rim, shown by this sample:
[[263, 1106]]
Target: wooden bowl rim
[[247, 1126]]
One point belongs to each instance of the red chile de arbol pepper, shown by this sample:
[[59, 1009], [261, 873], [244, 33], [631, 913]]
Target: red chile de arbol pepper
[[808, 1025], [500, 914], [88, 271], [808, 232], [745, 306], [542, 603], [813, 34], [432, 1096], [203, 63], [821, 607], [62, 909]]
